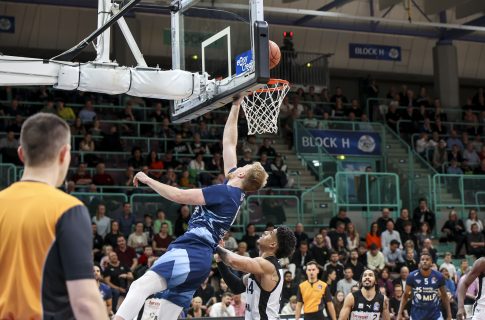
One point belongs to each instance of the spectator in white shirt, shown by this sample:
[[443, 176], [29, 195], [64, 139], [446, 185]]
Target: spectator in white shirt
[[345, 285], [389, 235], [375, 259], [422, 143], [224, 308], [448, 264], [473, 218]]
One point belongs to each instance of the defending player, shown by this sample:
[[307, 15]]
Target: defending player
[[366, 303], [187, 262], [424, 285], [264, 283], [477, 271]]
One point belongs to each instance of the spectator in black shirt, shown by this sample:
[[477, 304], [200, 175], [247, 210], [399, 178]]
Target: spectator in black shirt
[[340, 217], [111, 141], [392, 116], [338, 95], [354, 264], [250, 237], [339, 232], [300, 234], [383, 219], [407, 234], [403, 218], [301, 257], [355, 108], [136, 161], [267, 148], [319, 250], [182, 222], [207, 294], [423, 214], [289, 288], [454, 230], [246, 159], [97, 243]]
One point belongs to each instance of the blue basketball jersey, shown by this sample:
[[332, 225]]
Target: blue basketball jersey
[[426, 296], [211, 221]]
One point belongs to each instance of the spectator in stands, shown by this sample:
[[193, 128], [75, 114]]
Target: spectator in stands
[[246, 159], [111, 141], [127, 220], [104, 289], [178, 146], [453, 168], [334, 265], [161, 218], [408, 235], [389, 235], [207, 293], [373, 237], [112, 237], [285, 108], [473, 218], [426, 126], [403, 275], [96, 130], [345, 285], [449, 283], [242, 249], [223, 288], [480, 170], [77, 128], [49, 107], [476, 241], [428, 245], [148, 227], [117, 277], [410, 261], [215, 163], [64, 112], [230, 242], [422, 144], [267, 148], [170, 162], [165, 130], [161, 240], [300, 258], [454, 230], [450, 267], [422, 213], [279, 173], [454, 140], [338, 110], [251, 143], [196, 310], [393, 116], [8, 148], [13, 110], [355, 109], [440, 156], [410, 121], [101, 178], [300, 234], [138, 240], [250, 237], [310, 121], [103, 223], [340, 217], [87, 114], [385, 282], [423, 233], [185, 180], [455, 154], [353, 237], [384, 219], [224, 308], [296, 106], [182, 222], [126, 255], [290, 307], [155, 164], [97, 243], [136, 160], [401, 220], [356, 266], [395, 303], [375, 259], [319, 250], [393, 257], [339, 232], [197, 146], [471, 155], [338, 96]]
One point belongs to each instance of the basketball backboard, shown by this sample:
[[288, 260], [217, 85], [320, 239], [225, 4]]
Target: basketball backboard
[[225, 40]]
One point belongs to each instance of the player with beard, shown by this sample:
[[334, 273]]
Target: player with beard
[[423, 285], [367, 303]]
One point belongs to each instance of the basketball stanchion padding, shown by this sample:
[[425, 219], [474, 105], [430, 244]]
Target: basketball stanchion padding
[[262, 107]]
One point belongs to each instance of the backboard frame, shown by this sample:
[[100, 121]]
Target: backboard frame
[[215, 94]]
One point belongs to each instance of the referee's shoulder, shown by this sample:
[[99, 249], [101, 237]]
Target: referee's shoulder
[[62, 199]]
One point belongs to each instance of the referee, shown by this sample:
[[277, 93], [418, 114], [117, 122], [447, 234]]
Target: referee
[[47, 265], [314, 295]]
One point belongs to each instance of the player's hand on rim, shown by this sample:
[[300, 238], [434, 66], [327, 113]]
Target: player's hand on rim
[[140, 177]]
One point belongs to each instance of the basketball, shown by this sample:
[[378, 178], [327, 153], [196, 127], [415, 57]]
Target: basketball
[[274, 54]]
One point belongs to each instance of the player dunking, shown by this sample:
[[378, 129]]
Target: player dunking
[[424, 285], [186, 264], [366, 303], [264, 283], [477, 271]]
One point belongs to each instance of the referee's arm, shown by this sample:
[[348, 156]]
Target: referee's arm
[[327, 297], [73, 237]]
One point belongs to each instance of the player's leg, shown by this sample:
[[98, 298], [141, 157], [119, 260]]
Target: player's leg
[[148, 284]]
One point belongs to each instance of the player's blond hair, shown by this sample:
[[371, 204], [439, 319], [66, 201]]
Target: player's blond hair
[[255, 178]]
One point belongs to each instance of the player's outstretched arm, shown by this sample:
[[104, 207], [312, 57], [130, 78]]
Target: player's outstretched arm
[[386, 315], [477, 269], [188, 196], [229, 139], [405, 297], [446, 302], [347, 307], [234, 283], [245, 264]]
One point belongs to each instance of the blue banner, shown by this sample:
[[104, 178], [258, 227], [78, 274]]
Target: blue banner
[[244, 62], [374, 52], [7, 24], [340, 142]]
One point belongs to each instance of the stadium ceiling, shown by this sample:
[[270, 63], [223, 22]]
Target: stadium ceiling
[[443, 20]]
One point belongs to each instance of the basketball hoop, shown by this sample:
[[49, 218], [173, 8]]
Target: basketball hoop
[[262, 107]]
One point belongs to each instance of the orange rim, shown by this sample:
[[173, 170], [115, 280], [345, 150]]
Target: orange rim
[[280, 85]]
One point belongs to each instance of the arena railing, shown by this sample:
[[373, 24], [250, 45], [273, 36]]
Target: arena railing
[[319, 210], [460, 192], [369, 192], [112, 201], [260, 209], [8, 174]]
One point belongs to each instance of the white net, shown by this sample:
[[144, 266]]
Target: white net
[[262, 107]]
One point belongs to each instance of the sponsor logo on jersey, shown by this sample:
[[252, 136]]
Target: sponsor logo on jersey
[[377, 306], [433, 280], [360, 306], [418, 281]]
